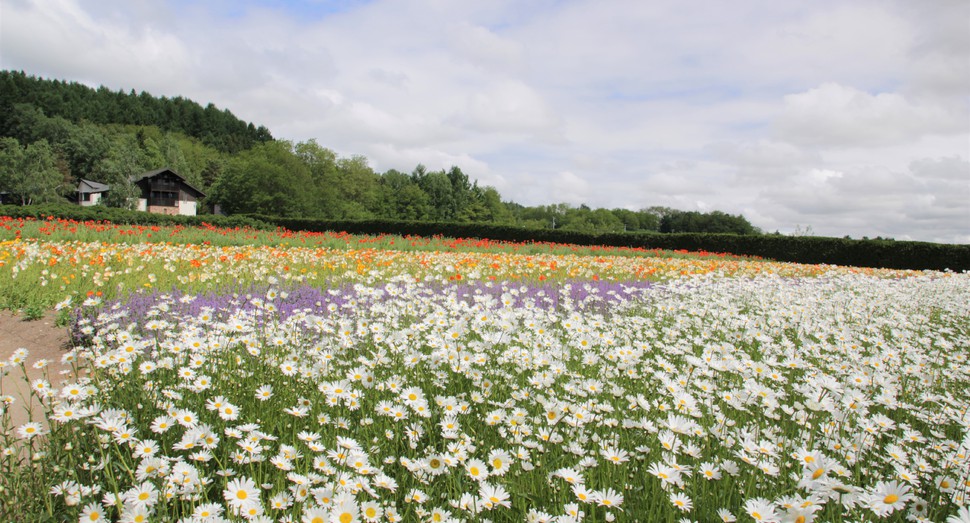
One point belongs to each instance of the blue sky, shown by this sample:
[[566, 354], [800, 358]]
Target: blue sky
[[307, 11], [850, 117]]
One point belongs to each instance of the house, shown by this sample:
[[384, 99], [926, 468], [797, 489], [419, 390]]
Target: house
[[164, 191], [90, 193]]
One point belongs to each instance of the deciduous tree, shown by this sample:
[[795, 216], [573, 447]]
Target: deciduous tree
[[29, 174]]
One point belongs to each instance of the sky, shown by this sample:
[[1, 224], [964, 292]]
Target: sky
[[825, 117]]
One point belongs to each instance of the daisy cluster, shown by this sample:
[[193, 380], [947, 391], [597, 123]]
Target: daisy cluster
[[833, 398]]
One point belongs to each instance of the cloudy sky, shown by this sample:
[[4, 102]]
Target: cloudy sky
[[848, 117]]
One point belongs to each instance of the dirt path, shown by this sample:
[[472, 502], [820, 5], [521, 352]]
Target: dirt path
[[44, 340]]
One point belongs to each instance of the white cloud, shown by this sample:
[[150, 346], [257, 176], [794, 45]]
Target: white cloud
[[938, 64], [759, 161], [61, 36], [569, 188], [931, 198], [478, 45], [507, 107], [854, 43], [838, 116]]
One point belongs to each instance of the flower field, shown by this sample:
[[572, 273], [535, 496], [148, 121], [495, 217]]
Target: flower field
[[242, 375]]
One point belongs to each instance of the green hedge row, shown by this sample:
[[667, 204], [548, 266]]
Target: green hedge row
[[800, 249], [889, 254], [68, 211]]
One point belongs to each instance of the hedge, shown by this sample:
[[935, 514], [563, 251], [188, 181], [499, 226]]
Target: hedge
[[889, 254], [69, 211]]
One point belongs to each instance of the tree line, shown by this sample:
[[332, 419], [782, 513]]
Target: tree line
[[54, 133], [77, 102]]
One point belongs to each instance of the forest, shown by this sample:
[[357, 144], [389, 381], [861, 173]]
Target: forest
[[54, 133]]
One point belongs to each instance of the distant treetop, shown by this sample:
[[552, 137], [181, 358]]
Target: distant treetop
[[77, 102]]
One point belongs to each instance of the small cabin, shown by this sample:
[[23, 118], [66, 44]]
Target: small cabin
[[90, 193], [164, 191]]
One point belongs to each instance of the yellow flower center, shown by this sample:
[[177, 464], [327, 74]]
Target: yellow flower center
[[242, 494], [346, 517], [890, 499], [818, 473]]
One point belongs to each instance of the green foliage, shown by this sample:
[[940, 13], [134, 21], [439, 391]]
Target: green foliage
[[496, 210], [99, 213], [583, 218], [84, 147], [357, 184], [124, 160], [324, 177], [810, 250], [266, 179], [714, 222], [400, 198], [29, 174], [587, 220], [644, 220], [439, 190], [75, 102], [112, 153]]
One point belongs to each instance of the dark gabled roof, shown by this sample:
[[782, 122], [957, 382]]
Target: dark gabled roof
[[151, 174], [88, 187]]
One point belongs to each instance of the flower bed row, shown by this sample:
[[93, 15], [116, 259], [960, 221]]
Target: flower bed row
[[404, 397]]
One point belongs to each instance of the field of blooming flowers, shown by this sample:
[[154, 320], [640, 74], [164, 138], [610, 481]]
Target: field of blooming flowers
[[332, 378]]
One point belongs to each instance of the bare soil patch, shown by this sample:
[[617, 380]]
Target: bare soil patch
[[45, 341]]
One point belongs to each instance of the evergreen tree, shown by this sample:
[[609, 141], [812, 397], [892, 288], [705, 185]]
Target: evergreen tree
[[76, 103]]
